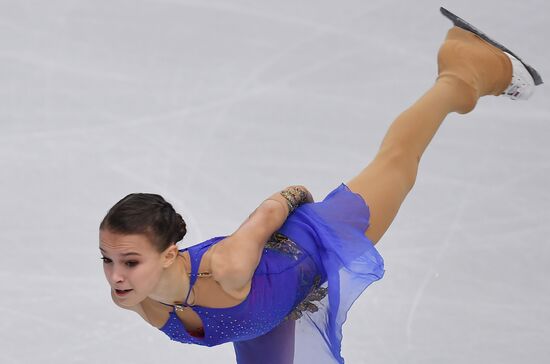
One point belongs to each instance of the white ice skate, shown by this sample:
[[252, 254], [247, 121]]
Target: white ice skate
[[522, 85]]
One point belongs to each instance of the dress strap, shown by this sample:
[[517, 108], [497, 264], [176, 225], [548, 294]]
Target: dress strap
[[192, 275], [196, 256]]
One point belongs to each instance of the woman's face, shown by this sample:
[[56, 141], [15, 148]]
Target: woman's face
[[132, 266]]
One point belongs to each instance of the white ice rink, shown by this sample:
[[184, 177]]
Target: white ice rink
[[218, 104]]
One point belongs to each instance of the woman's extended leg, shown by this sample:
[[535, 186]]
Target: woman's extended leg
[[468, 68]]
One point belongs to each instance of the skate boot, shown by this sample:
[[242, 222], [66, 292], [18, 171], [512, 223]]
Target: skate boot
[[483, 64]]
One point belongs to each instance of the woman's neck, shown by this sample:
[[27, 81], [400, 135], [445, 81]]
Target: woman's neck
[[174, 284]]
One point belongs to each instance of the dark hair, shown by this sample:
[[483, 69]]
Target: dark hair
[[148, 214]]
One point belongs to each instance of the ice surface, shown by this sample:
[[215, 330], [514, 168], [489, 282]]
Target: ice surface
[[216, 105]]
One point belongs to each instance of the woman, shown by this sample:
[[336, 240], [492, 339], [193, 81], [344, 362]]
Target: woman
[[281, 285]]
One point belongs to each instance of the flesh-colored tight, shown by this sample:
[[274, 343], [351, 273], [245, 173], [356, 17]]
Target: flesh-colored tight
[[468, 68]]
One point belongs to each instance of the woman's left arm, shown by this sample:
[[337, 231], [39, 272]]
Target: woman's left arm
[[236, 257]]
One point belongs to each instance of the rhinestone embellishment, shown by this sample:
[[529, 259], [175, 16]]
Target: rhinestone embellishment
[[316, 293], [283, 244]]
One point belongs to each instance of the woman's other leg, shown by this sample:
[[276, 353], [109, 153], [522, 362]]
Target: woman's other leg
[[468, 68], [275, 347]]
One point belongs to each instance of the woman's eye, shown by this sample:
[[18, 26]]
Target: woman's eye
[[129, 264]]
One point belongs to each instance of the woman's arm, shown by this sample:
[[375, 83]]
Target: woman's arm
[[236, 257]]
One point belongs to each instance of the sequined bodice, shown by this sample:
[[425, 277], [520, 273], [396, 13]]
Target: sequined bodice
[[284, 284]]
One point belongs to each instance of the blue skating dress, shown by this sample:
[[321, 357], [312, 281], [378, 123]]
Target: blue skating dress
[[310, 273]]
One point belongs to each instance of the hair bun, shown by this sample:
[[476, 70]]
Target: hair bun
[[182, 227]]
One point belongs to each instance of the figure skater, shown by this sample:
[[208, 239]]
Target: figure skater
[[280, 286]]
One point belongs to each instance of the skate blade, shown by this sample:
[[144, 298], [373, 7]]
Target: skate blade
[[461, 23]]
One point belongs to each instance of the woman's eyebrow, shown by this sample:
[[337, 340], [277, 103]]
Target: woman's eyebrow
[[130, 253], [123, 254]]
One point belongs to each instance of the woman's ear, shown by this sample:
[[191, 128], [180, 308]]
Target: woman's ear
[[169, 255]]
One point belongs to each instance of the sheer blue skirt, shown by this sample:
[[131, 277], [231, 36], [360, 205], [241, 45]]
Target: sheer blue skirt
[[332, 232]]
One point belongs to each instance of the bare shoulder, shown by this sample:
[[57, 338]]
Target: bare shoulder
[[226, 270]]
